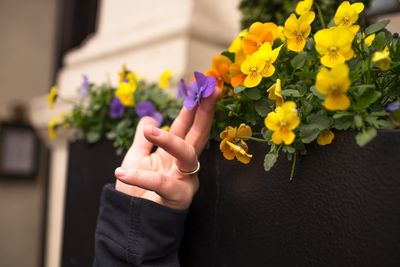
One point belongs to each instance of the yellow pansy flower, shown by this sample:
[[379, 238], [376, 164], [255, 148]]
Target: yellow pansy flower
[[52, 126], [236, 44], [347, 15], [233, 145], [334, 85], [368, 41], [52, 96], [334, 45], [125, 93], [297, 30], [382, 59], [325, 137], [274, 93], [282, 122], [165, 78], [259, 65], [303, 7], [259, 33]]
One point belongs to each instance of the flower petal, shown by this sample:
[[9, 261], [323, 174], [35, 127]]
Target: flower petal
[[337, 101]]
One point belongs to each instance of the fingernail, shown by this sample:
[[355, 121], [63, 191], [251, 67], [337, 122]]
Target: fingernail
[[120, 172], [155, 131]]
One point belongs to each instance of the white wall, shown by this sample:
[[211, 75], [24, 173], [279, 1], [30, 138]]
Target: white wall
[[27, 30]]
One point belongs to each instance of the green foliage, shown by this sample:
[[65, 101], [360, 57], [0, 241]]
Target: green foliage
[[371, 90], [278, 10], [91, 120]]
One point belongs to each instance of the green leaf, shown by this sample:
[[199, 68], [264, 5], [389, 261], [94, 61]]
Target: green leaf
[[366, 136], [253, 93], [291, 92], [315, 92], [376, 27], [358, 121], [308, 133], [343, 123], [288, 149], [266, 133], [270, 160], [93, 137], [298, 61], [229, 55], [369, 97], [262, 107], [341, 114], [238, 89], [319, 121], [305, 74], [380, 41]]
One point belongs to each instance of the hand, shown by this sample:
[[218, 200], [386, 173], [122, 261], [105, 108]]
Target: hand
[[155, 176]]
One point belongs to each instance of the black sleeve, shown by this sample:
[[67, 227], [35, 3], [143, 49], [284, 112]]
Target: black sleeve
[[136, 232]]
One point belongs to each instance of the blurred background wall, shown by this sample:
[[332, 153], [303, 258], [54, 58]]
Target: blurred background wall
[[27, 42]]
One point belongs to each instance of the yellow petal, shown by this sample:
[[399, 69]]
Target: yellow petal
[[337, 101], [358, 7], [244, 131], [252, 80], [323, 81], [325, 137], [291, 23], [368, 41], [296, 45], [272, 121], [268, 71], [307, 18], [226, 151], [332, 60]]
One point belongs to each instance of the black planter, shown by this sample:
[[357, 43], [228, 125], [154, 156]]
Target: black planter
[[341, 209]]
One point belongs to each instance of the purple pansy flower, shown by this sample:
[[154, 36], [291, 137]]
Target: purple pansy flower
[[85, 86], [394, 106], [116, 109], [146, 108], [194, 92]]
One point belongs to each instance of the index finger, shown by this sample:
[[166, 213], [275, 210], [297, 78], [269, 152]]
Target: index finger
[[200, 130], [140, 147]]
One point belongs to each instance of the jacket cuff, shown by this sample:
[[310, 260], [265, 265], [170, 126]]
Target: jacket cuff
[[145, 230]]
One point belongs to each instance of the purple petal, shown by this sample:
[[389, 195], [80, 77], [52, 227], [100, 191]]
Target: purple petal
[[206, 84], [116, 109], [394, 106], [190, 102], [201, 79], [182, 89], [144, 108], [210, 87], [158, 117], [85, 86]]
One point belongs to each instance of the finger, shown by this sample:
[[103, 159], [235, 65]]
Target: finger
[[149, 180], [184, 153], [200, 130], [140, 146], [182, 123]]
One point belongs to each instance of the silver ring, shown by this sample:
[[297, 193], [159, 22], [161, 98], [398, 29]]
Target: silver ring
[[189, 173]]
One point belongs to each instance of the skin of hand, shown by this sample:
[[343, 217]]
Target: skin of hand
[[154, 176]]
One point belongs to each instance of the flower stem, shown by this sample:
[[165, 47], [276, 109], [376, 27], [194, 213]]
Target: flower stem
[[321, 18], [293, 166], [257, 139]]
